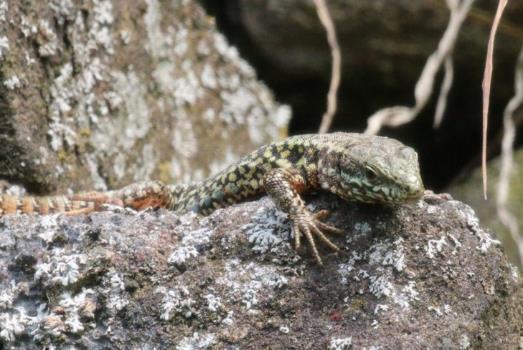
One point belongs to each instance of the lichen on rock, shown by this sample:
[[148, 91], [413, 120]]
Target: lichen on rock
[[119, 92], [156, 279]]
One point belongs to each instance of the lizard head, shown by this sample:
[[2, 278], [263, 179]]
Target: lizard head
[[373, 169]]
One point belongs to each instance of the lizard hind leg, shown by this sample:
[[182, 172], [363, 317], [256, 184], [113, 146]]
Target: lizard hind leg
[[145, 195], [138, 196], [284, 187]]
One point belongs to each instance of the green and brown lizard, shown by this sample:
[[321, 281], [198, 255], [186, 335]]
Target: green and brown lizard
[[355, 167]]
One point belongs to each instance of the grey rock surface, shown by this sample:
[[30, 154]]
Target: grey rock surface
[[422, 275], [466, 190], [102, 93]]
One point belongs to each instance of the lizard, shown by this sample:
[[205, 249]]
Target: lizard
[[355, 167]]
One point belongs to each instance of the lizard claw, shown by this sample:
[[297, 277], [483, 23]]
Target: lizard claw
[[309, 225]]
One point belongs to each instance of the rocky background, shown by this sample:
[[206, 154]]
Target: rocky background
[[424, 275], [101, 93]]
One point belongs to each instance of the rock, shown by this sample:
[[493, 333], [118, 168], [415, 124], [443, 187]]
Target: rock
[[102, 93], [467, 188], [423, 275]]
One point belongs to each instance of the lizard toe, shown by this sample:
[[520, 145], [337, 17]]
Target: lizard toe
[[322, 214], [324, 238], [309, 225], [319, 216], [297, 236], [329, 228], [312, 244]]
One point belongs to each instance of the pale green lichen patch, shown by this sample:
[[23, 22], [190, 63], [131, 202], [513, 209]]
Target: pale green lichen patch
[[198, 341], [378, 259], [4, 46], [176, 301], [268, 230], [61, 268], [252, 285]]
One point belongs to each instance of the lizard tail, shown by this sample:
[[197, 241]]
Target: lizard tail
[[139, 196], [70, 205]]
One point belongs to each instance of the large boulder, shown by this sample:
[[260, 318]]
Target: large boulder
[[102, 93], [466, 186], [422, 275]]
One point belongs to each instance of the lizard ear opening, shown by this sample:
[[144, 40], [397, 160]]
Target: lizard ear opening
[[370, 174]]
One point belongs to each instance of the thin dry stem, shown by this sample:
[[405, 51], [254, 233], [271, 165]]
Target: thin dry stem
[[398, 115], [326, 21], [444, 92], [487, 79]]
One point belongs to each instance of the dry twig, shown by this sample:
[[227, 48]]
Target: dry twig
[[326, 21], [487, 78], [444, 92], [398, 115]]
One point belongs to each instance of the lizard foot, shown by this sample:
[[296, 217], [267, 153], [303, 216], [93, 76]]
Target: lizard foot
[[310, 225]]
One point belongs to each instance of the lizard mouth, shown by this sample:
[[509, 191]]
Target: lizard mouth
[[415, 195]]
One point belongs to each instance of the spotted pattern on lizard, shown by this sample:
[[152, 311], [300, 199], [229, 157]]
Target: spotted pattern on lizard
[[355, 167]]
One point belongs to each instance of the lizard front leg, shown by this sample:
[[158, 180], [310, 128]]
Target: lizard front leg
[[284, 187]]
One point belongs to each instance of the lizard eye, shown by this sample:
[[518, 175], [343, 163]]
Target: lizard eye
[[370, 174]]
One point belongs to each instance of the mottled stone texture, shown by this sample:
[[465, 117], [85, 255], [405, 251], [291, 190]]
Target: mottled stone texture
[[424, 275], [466, 190], [101, 93]]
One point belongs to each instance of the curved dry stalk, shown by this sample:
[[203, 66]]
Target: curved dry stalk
[[448, 79], [487, 78], [326, 21], [398, 115]]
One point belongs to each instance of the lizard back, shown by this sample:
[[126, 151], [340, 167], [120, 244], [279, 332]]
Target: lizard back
[[244, 179]]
